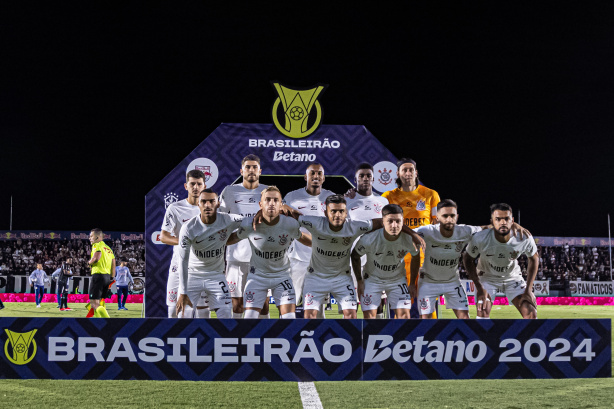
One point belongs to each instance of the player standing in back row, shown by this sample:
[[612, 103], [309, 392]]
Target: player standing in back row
[[242, 199], [176, 215], [419, 204], [103, 270], [498, 250], [310, 202]]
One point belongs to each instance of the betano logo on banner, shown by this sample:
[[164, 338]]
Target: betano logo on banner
[[17, 346], [297, 105]]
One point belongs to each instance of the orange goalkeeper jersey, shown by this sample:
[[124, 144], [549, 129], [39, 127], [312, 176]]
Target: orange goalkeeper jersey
[[419, 206]]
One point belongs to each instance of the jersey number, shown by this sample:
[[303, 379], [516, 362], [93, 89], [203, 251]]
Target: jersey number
[[404, 289], [286, 285], [223, 285]]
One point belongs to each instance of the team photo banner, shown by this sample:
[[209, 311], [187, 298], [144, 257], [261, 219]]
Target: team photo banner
[[303, 350]]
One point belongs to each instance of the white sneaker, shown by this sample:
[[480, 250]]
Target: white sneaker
[[38, 306]]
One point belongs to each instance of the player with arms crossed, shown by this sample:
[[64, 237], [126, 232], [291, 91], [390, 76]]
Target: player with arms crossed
[[498, 250], [329, 269], [202, 246], [269, 264], [242, 199], [102, 262], [310, 202], [176, 215], [384, 270]]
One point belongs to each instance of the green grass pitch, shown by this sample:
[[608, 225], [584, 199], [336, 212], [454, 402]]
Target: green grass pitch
[[539, 393]]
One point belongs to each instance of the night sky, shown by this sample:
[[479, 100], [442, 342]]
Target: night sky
[[496, 102]]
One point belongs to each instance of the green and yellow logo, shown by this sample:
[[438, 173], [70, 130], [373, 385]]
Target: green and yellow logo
[[20, 348], [298, 107]]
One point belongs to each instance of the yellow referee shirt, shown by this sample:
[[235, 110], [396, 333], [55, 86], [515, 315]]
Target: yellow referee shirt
[[103, 266]]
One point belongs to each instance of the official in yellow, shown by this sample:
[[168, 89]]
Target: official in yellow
[[103, 270]]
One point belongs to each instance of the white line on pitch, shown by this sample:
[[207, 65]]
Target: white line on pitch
[[309, 395]]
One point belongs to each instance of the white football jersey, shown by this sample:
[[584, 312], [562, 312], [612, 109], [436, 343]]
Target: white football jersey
[[270, 243], [202, 246], [308, 205], [499, 260], [366, 207], [331, 250], [442, 254], [176, 215], [236, 199], [385, 258]]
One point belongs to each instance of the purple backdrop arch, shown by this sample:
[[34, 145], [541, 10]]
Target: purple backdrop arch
[[337, 147]]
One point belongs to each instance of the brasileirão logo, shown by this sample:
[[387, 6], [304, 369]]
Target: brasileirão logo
[[298, 109]]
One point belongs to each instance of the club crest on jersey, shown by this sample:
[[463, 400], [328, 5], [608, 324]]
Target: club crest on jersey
[[249, 297], [283, 239], [421, 205], [322, 206], [223, 234], [169, 199], [346, 240], [297, 106], [206, 170], [172, 296], [377, 207], [232, 286], [385, 176], [308, 299], [459, 246], [514, 255], [402, 253], [366, 300], [424, 305]]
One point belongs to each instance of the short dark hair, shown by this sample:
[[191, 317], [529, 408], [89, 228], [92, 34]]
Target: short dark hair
[[500, 206], [400, 163], [249, 157], [313, 164], [98, 232], [446, 203], [364, 165], [336, 199], [207, 190], [392, 209], [196, 174]]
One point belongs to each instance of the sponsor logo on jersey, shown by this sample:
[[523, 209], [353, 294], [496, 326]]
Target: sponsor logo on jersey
[[211, 238], [389, 253], [361, 248], [367, 207], [283, 239], [169, 199], [297, 106], [252, 269], [333, 240], [307, 224], [501, 255], [421, 205], [447, 247], [174, 268], [270, 239], [251, 200], [185, 242], [20, 347]]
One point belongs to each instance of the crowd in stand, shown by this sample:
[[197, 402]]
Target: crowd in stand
[[19, 257], [568, 263]]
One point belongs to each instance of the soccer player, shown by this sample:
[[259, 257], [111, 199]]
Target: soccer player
[[384, 270], [269, 263], [419, 205], [310, 202], [176, 215], [202, 244], [102, 262], [329, 268], [63, 275], [242, 199], [498, 250], [365, 205], [37, 279], [123, 280]]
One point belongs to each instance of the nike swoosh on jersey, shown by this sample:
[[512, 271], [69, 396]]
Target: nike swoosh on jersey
[[258, 238], [432, 245], [238, 201], [489, 255], [302, 207], [378, 254], [320, 238], [197, 242], [185, 220]]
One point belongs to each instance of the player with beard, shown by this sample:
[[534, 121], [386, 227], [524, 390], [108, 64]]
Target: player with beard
[[419, 205], [176, 215], [242, 199], [365, 205], [384, 270], [202, 246], [498, 250], [269, 264], [329, 267], [310, 202]]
